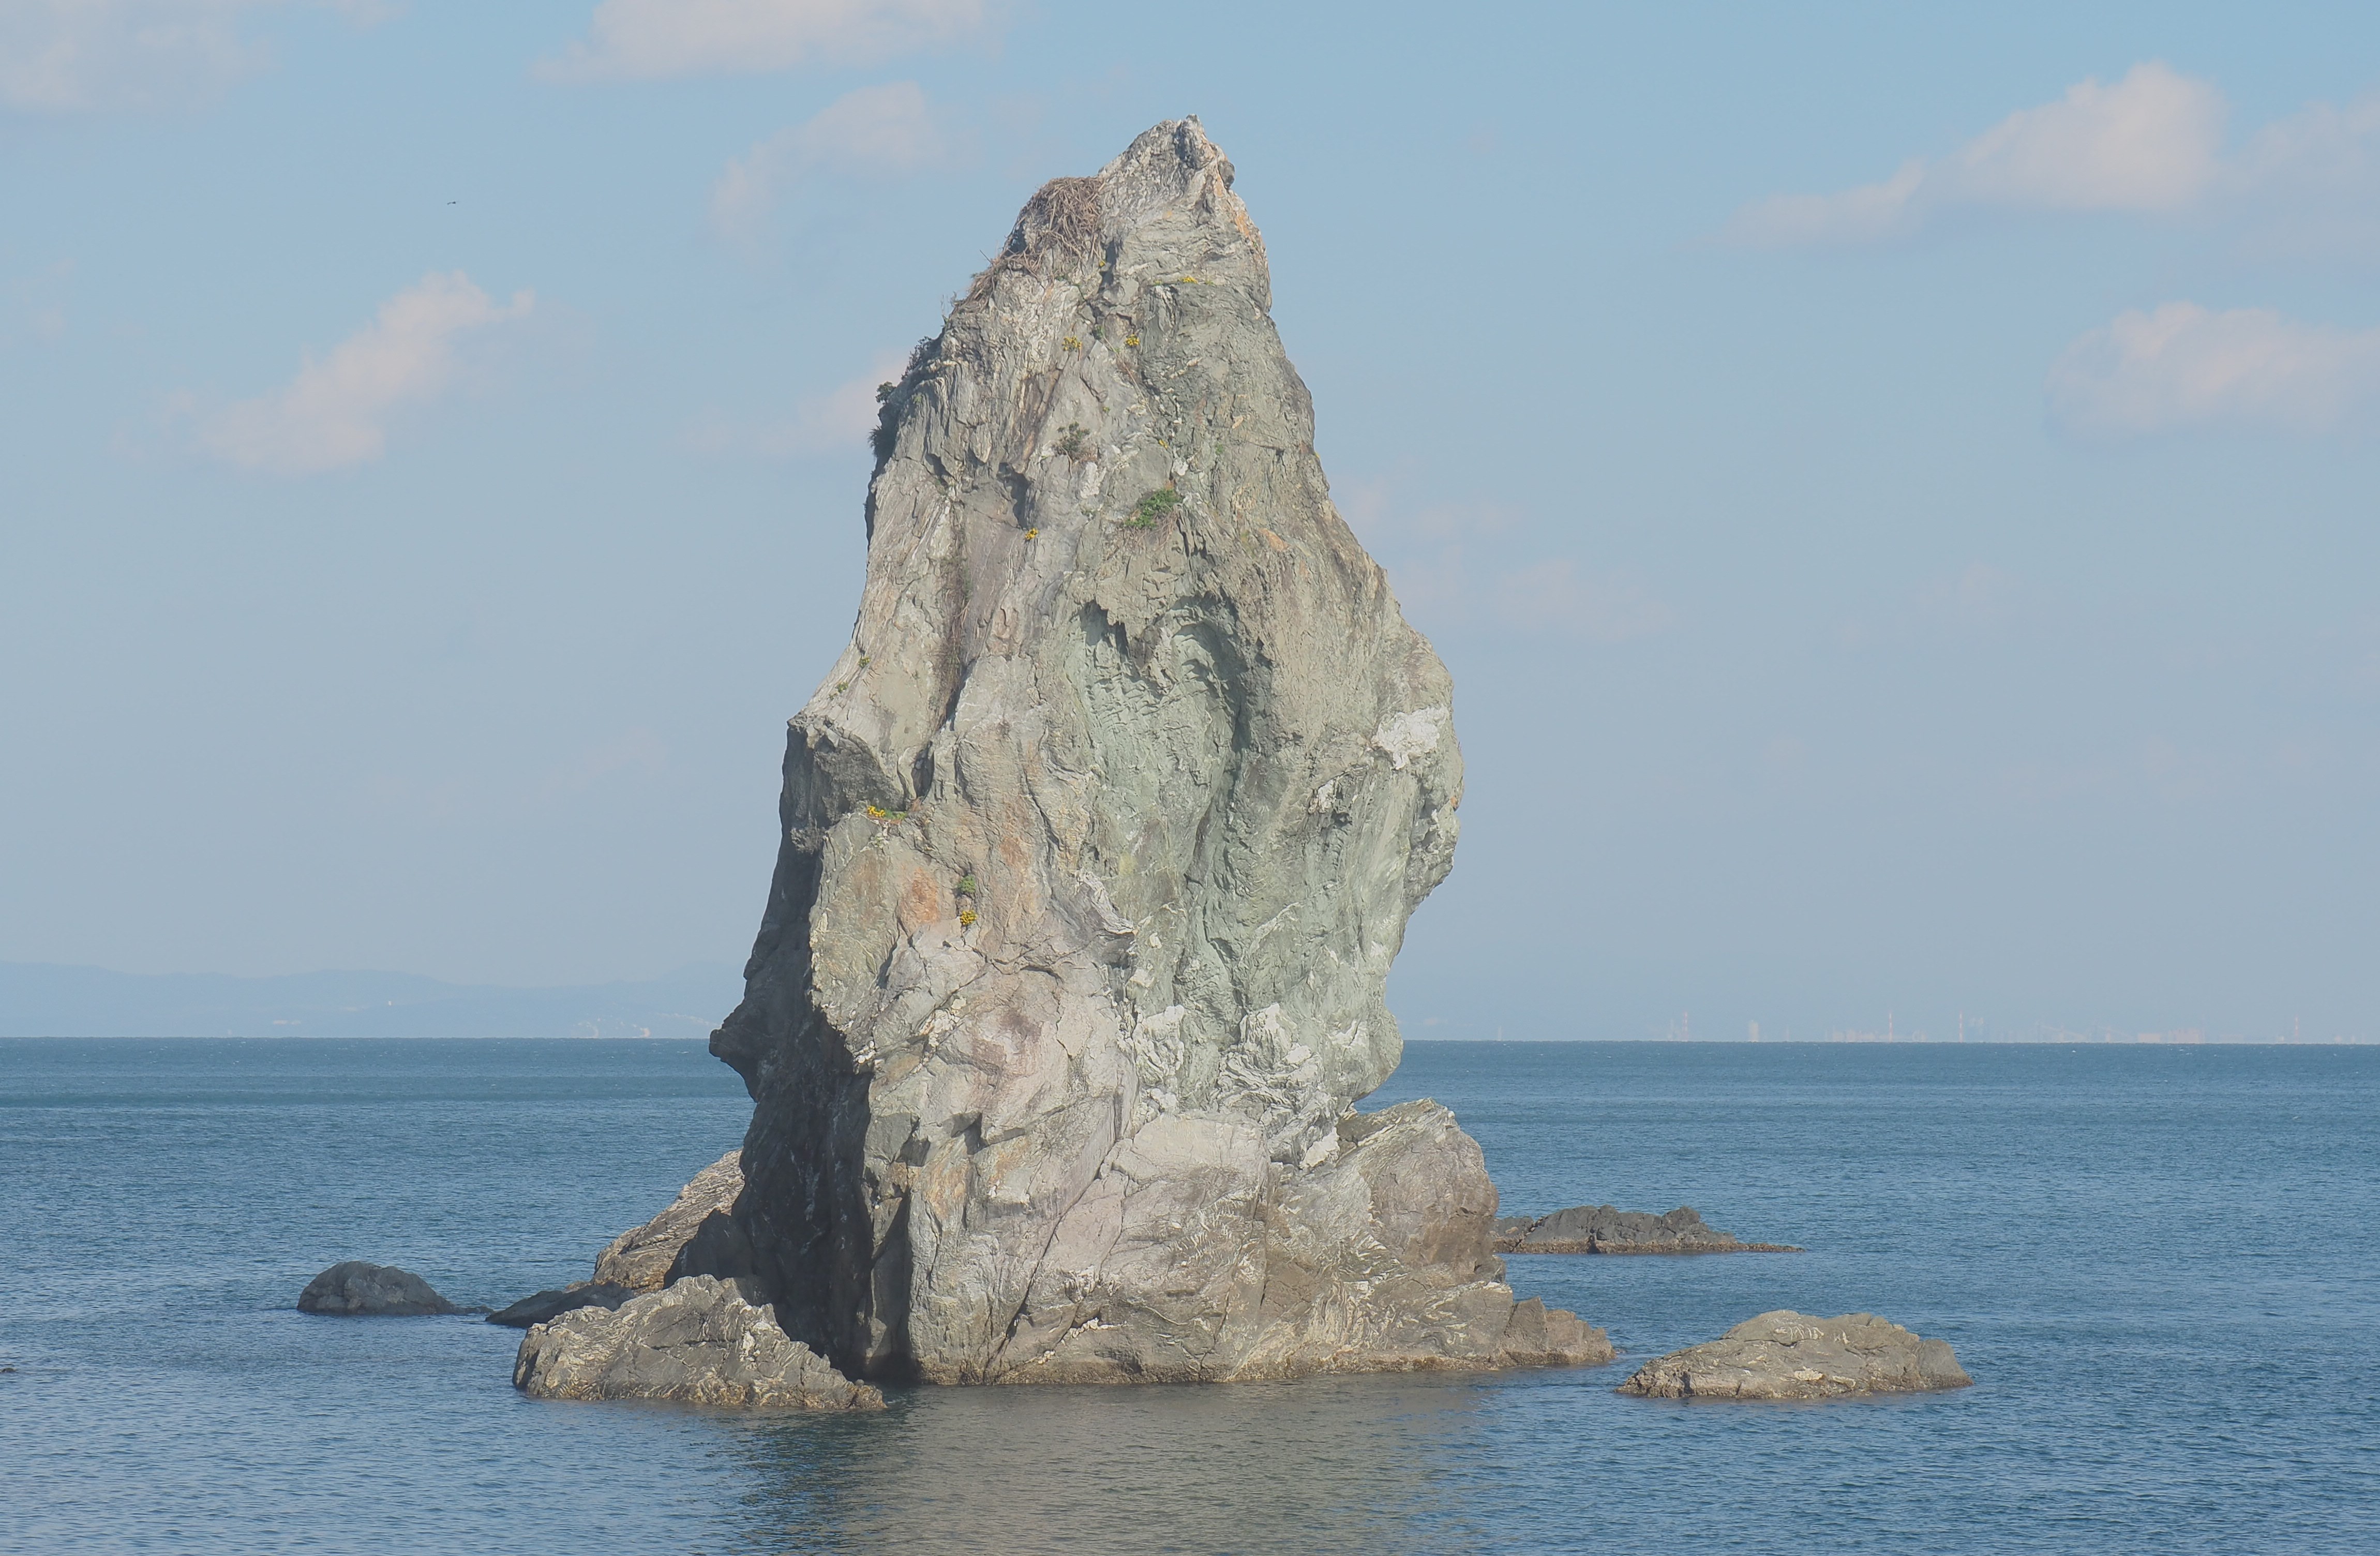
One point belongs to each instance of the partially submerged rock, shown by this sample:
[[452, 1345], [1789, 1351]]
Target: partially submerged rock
[[699, 1341], [1606, 1229], [1099, 840], [354, 1288], [540, 1306], [1789, 1355], [640, 1258]]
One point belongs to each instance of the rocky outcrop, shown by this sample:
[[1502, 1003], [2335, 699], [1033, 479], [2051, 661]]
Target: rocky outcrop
[[642, 1258], [699, 1341], [1788, 1356], [540, 1306], [1099, 840], [1606, 1229], [356, 1289]]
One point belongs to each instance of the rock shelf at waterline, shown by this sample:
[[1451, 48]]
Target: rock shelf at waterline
[[1606, 1229]]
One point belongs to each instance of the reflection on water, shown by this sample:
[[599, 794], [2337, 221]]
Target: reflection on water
[[1322, 1465]]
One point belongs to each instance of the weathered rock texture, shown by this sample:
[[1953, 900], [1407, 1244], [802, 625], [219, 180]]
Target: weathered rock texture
[[640, 1258], [1606, 1229], [538, 1307], [1792, 1355], [699, 1341], [1099, 840], [354, 1288]]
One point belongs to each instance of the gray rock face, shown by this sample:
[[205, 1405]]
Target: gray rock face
[[540, 1306], [699, 1341], [356, 1289], [1791, 1355], [1100, 838], [1606, 1229], [640, 1258]]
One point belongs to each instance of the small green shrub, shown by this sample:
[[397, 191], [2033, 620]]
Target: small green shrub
[[967, 886], [1153, 507], [1075, 443]]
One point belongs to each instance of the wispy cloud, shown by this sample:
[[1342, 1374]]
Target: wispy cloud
[[2182, 366], [2149, 142], [649, 38], [835, 422], [337, 409], [1555, 596], [887, 130], [78, 56]]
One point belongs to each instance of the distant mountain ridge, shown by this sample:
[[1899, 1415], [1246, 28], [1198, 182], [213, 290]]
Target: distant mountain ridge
[[48, 1000]]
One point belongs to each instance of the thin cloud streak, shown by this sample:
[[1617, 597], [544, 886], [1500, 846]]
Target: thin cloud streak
[[2182, 366], [2147, 144], [647, 40], [887, 130], [336, 410]]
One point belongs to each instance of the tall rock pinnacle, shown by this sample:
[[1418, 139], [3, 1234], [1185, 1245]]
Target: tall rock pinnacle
[[1099, 840]]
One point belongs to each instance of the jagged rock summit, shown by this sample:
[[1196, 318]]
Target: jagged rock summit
[[1099, 840]]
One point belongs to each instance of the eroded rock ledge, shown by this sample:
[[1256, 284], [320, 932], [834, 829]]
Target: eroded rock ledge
[[700, 1341], [1789, 1355], [1099, 840], [1606, 1229]]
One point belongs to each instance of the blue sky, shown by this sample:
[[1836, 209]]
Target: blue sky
[[1895, 486]]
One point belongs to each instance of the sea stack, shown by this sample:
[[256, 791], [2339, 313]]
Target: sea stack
[[1097, 842]]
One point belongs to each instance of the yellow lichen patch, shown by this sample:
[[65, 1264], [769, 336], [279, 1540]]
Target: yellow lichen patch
[[1071, 342], [966, 917]]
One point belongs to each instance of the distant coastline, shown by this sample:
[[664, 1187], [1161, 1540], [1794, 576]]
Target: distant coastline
[[42, 999]]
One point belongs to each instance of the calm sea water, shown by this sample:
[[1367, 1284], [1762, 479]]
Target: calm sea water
[[2158, 1263]]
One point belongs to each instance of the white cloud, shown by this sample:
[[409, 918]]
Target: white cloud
[[71, 56], [646, 38], [335, 411], [1553, 597], [886, 131], [2150, 142], [2184, 365], [835, 422]]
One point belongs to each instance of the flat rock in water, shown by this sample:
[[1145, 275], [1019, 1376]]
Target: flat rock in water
[[1606, 1229], [697, 1342], [1789, 1355], [544, 1305], [357, 1289], [642, 1258]]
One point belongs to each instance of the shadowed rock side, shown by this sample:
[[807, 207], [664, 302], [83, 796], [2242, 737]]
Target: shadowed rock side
[[1606, 1229], [538, 1307], [642, 1258], [701, 1342], [1791, 1355], [1099, 840]]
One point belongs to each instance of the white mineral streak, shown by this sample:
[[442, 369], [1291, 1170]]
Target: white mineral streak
[[1099, 839]]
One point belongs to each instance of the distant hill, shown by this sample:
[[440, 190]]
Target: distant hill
[[43, 1000]]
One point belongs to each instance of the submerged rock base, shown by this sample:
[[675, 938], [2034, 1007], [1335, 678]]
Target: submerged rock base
[[1606, 1229], [697, 1342], [1789, 1355]]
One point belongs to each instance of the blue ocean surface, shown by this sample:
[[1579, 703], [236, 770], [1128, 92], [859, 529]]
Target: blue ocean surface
[[2158, 1263]]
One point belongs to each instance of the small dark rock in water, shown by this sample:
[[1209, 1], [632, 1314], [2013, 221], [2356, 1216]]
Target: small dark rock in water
[[357, 1289], [1606, 1229], [544, 1305], [1791, 1355]]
